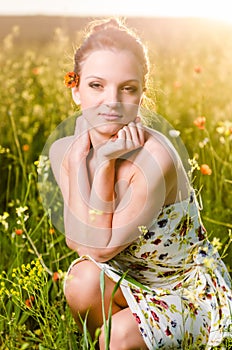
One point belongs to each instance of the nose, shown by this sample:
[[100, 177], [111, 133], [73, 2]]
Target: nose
[[112, 97]]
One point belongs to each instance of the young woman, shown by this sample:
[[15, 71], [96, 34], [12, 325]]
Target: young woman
[[129, 207]]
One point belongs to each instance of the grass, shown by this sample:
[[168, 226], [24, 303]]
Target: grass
[[189, 80]]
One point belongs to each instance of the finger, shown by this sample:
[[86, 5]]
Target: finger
[[122, 134], [141, 133], [137, 119], [137, 135], [128, 134]]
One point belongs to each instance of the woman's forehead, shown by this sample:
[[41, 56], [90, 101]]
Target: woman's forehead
[[104, 60]]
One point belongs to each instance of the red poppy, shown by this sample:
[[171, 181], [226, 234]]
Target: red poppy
[[29, 301], [205, 169], [56, 276], [25, 147], [200, 122], [177, 84], [18, 231], [36, 71], [71, 79], [198, 69]]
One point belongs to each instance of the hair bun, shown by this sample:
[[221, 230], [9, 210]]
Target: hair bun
[[99, 25]]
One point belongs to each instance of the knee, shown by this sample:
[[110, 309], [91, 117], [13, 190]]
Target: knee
[[82, 286], [118, 337]]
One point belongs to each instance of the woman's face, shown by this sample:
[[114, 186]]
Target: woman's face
[[110, 89]]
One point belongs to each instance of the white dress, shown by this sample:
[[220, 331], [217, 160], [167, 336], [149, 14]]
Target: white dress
[[176, 286]]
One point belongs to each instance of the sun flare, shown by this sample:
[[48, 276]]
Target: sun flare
[[217, 10]]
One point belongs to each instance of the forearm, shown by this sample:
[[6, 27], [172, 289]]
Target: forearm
[[76, 206], [89, 211], [102, 195], [101, 201]]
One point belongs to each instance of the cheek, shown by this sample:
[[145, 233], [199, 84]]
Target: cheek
[[130, 112], [87, 101]]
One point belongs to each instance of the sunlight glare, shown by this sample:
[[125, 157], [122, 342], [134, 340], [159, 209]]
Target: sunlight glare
[[218, 10]]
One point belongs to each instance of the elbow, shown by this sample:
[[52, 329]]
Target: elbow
[[100, 255], [94, 254], [71, 244]]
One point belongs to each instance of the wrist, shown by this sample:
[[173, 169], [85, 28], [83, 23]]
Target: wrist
[[105, 162]]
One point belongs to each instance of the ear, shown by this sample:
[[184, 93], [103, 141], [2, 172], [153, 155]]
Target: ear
[[76, 95]]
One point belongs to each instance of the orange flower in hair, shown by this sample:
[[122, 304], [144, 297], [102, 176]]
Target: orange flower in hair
[[71, 79]]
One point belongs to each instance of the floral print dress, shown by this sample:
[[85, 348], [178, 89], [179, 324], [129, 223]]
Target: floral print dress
[[176, 285]]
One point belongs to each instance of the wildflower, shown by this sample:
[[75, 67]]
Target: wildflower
[[174, 133], [205, 169], [38, 332], [203, 143], [25, 147], [18, 231], [71, 80], [51, 230], [29, 301], [177, 84], [43, 166], [4, 150], [200, 122], [21, 210], [224, 128], [3, 220], [36, 70], [216, 243], [56, 276], [193, 164], [198, 69]]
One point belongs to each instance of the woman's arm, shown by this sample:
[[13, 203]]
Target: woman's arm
[[90, 207], [97, 223]]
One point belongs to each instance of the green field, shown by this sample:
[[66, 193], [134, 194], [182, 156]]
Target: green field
[[190, 86]]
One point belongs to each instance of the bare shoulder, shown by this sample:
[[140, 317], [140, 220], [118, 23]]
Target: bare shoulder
[[160, 148], [61, 145], [167, 159]]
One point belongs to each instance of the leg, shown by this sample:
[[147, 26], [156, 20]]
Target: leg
[[82, 291], [125, 334]]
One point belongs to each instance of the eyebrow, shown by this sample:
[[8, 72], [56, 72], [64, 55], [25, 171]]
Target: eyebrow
[[94, 76], [100, 78]]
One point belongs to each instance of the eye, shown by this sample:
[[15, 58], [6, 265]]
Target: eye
[[129, 89], [95, 85]]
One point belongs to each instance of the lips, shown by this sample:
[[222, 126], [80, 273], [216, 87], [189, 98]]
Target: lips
[[110, 116]]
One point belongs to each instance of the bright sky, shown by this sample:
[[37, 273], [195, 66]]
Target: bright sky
[[215, 9]]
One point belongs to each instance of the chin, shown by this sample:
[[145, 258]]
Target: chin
[[110, 129]]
